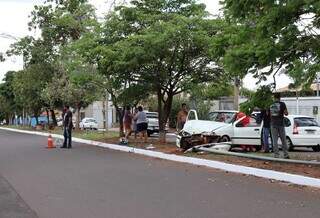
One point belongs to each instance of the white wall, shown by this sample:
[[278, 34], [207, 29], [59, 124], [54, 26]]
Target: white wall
[[303, 105], [95, 110]]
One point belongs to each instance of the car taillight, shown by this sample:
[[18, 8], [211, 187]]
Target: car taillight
[[295, 130]]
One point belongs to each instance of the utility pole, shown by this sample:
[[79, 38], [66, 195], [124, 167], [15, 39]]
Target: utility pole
[[107, 111], [318, 85], [236, 93]]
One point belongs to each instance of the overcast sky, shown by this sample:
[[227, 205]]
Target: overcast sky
[[14, 18]]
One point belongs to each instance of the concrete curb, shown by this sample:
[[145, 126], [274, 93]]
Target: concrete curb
[[268, 174]]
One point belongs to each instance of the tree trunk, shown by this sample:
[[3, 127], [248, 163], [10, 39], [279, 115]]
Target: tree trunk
[[78, 118], [120, 116], [48, 117], [164, 109], [104, 114], [54, 119]]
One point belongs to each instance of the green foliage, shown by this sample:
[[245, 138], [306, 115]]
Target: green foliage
[[211, 91], [28, 85], [263, 37], [53, 74], [261, 99], [8, 104], [160, 44]]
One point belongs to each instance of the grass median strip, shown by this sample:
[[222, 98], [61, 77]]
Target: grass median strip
[[83, 134]]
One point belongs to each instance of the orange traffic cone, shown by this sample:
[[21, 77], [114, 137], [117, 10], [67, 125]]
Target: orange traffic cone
[[50, 142]]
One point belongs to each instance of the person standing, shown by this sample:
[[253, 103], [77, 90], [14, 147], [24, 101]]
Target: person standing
[[67, 127], [134, 123], [142, 123], [266, 118], [277, 111], [182, 117], [127, 122]]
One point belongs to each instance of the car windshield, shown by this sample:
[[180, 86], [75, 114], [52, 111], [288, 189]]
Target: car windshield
[[152, 115], [222, 116], [305, 121]]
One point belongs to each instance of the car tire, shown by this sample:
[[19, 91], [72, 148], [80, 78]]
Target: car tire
[[316, 148], [224, 138], [289, 144]]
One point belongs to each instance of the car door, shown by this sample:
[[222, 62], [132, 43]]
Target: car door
[[192, 118], [247, 131]]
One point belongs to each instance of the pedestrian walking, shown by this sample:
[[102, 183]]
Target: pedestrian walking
[[67, 127], [182, 117], [266, 118], [277, 111], [127, 122], [142, 123]]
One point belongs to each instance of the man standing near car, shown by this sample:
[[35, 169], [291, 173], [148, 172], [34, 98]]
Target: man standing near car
[[265, 116], [182, 117], [67, 127], [277, 111]]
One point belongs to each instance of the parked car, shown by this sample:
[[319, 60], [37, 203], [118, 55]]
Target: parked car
[[302, 131], [153, 122], [89, 123]]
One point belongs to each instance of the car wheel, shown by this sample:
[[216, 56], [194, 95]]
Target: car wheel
[[290, 145], [224, 139], [316, 148]]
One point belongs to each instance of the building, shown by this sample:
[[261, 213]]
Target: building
[[97, 111]]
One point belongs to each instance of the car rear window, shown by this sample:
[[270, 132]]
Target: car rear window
[[305, 121]]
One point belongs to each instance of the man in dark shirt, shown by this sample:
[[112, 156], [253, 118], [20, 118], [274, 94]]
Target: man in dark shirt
[[277, 111], [67, 127], [265, 115]]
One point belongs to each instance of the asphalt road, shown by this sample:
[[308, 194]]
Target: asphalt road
[[90, 182]]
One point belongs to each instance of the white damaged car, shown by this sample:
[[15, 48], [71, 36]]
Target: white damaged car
[[302, 131]]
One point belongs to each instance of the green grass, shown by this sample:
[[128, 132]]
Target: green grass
[[89, 135]]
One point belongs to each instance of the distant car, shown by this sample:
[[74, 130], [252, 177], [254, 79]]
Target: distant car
[[89, 123], [301, 131]]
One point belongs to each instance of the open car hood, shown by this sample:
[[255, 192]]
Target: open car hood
[[200, 126]]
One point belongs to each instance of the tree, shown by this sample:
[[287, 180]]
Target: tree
[[268, 37], [8, 104], [75, 83], [28, 85], [60, 23], [161, 43], [261, 99]]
